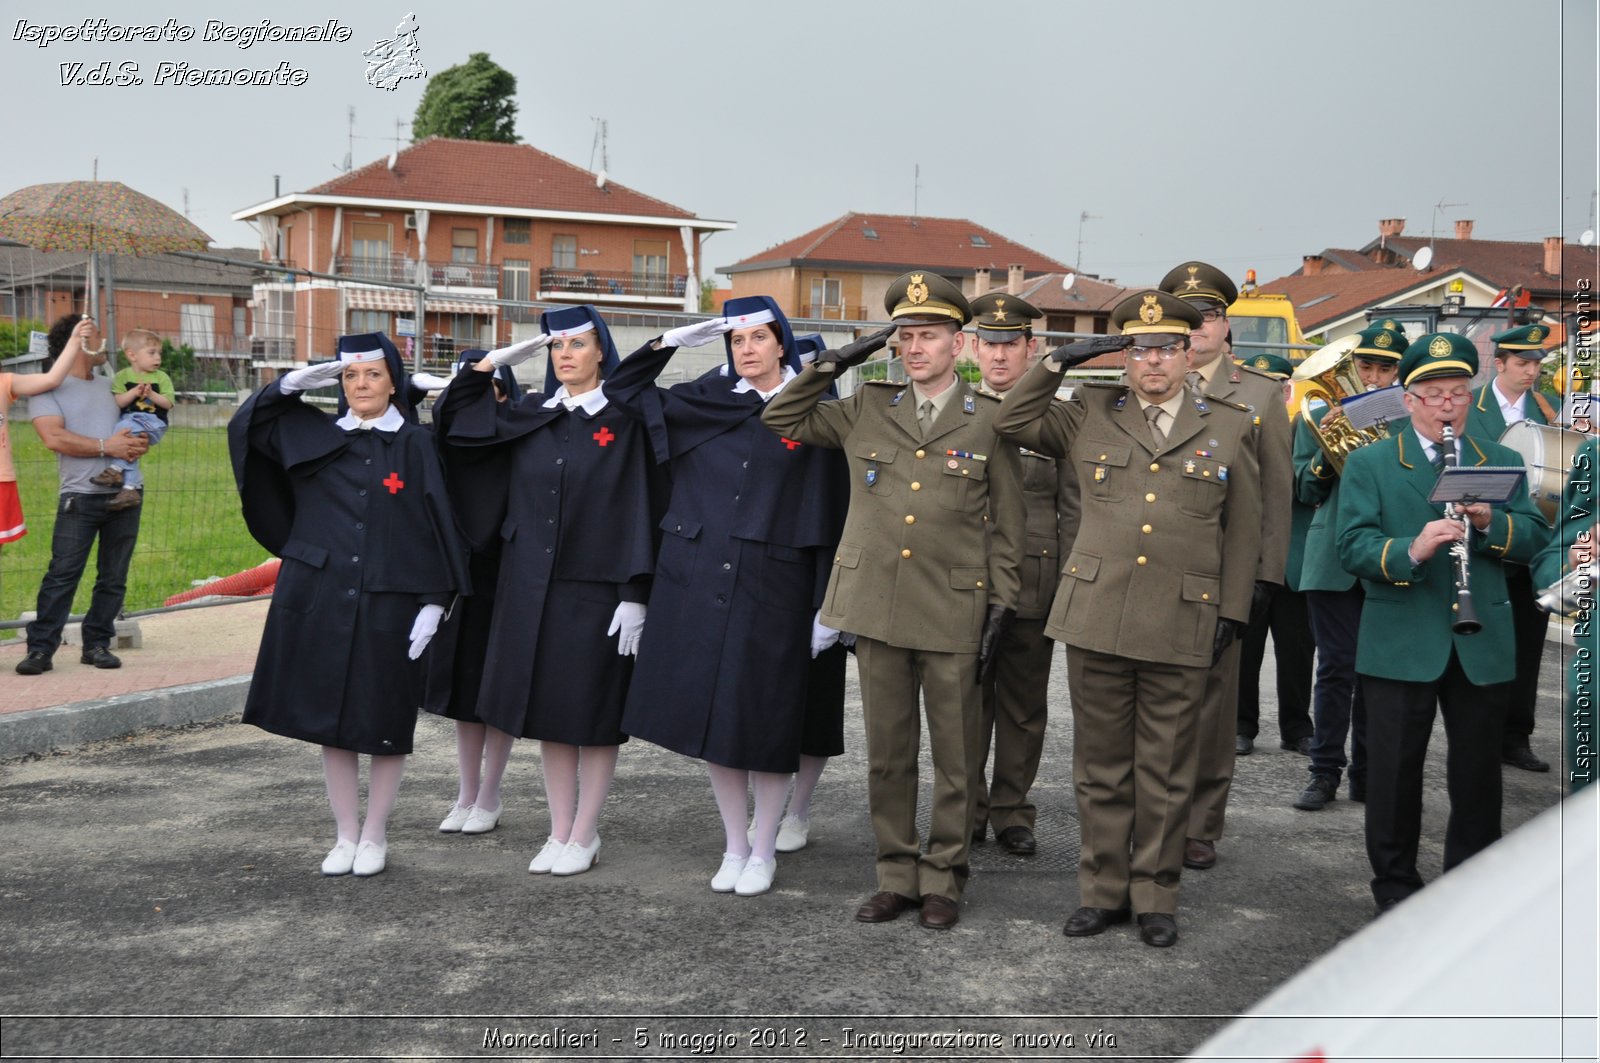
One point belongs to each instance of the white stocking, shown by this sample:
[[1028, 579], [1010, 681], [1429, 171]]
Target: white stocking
[[383, 786], [771, 788], [805, 784], [731, 788], [560, 786], [597, 765], [341, 771], [469, 757], [496, 754]]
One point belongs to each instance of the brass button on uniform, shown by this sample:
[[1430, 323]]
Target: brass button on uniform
[[1141, 560], [1102, 457], [1150, 497], [915, 486], [910, 519], [922, 453], [1154, 467], [905, 553], [1205, 597], [980, 583], [1147, 529], [1074, 568]]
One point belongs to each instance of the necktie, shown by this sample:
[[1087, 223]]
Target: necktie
[[925, 414], [1153, 415], [1438, 459], [1193, 381]]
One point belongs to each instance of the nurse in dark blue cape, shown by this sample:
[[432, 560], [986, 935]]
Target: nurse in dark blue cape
[[455, 658], [356, 508], [566, 483], [747, 543]]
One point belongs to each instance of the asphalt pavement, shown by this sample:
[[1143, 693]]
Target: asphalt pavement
[[162, 899]]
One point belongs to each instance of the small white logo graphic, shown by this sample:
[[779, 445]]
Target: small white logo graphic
[[394, 60]]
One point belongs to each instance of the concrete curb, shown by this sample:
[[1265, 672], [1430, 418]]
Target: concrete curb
[[40, 730]]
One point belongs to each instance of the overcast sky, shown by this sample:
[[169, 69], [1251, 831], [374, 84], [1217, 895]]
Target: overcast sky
[[1247, 134]]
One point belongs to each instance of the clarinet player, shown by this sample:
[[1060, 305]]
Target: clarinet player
[[1411, 652]]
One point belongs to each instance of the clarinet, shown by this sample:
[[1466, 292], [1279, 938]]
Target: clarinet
[[1466, 618]]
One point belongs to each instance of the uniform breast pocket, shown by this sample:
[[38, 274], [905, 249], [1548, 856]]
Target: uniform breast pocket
[[961, 485], [1103, 470], [1205, 486], [1038, 572], [872, 467], [846, 560], [299, 577], [1202, 595], [679, 547], [1077, 580]]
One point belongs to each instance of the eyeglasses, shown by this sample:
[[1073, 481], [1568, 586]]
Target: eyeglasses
[[1215, 314], [1436, 399], [1166, 353]]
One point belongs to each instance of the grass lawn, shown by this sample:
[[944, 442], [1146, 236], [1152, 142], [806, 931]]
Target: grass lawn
[[190, 529]]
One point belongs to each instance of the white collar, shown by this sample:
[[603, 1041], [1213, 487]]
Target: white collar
[[388, 421], [591, 401], [1507, 405], [744, 385], [1431, 449]]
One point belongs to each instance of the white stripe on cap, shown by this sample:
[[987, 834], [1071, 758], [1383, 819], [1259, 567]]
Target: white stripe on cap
[[372, 354], [562, 333], [760, 317]]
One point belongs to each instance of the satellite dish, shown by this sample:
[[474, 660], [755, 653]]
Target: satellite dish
[[393, 158], [1422, 259], [1587, 239], [1067, 281], [600, 179]]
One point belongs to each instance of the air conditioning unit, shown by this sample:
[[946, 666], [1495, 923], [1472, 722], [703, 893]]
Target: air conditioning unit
[[411, 221]]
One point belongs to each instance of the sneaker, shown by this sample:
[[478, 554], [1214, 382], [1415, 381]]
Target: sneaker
[[127, 498], [1317, 794], [100, 657], [34, 663], [110, 476]]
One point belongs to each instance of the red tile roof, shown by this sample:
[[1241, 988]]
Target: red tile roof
[[443, 170], [902, 242], [1326, 297], [1087, 296], [1502, 262]]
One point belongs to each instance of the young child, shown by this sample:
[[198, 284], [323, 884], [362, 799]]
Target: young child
[[144, 392], [13, 385]]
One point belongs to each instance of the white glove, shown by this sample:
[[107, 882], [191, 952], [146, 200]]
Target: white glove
[[429, 382], [518, 352], [312, 376], [629, 620], [696, 335], [822, 636], [423, 628]]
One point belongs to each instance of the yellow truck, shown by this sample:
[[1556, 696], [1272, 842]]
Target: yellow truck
[[1260, 320]]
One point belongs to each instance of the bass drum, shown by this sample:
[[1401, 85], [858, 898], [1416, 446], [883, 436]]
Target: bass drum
[[1547, 451]]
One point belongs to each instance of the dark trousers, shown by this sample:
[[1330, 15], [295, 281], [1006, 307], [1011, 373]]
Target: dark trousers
[[1530, 622], [79, 520], [1399, 723], [1293, 648], [1339, 708]]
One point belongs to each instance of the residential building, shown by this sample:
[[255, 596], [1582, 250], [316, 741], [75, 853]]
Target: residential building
[[476, 231], [842, 270]]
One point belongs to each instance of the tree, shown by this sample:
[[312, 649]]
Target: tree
[[472, 101]]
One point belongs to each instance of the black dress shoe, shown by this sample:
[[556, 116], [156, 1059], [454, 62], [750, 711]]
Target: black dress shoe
[[1199, 854], [1317, 794], [34, 663], [1018, 840], [1242, 745], [938, 912], [1358, 790], [1087, 922], [1301, 746], [1386, 903], [884, 906], [1522, 757], [100, 657], [980, 832], [1158, 930]]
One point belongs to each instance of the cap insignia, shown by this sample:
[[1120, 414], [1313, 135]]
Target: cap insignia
[[916, 291], [1391, 324], [1384, 340], [1263, 363], [1439, 348], [1150, 312], [1193, 282], [1535, 335], [999, 311]]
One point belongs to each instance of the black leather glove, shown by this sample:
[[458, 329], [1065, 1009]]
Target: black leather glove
[[1227, 631], [1261, 600], [1080, 351], [994, 629], [858, 351]]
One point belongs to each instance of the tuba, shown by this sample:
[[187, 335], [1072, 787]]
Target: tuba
[[1333, 378]]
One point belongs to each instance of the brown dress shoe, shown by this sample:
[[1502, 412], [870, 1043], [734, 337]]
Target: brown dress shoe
[[883, 907], [938, 913], [1018, 841], [1087, 922], [1199, 854]]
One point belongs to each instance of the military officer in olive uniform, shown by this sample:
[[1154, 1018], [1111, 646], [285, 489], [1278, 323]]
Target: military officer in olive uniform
[[1015, 693], [1513, 396], [1398, 544], [1158, 579], [925, 576], [1213, 373]]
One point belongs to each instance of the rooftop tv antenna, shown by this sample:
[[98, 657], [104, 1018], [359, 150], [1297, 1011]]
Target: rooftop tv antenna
[[1082, 217], [916, 186], [1437, 208], [598, 146]]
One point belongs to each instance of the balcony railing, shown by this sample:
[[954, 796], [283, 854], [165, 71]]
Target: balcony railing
[[834, 312], [623, 283], [398, 269]]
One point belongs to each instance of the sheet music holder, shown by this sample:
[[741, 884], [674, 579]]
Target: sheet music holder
[[1374, 407], [1493, 484]]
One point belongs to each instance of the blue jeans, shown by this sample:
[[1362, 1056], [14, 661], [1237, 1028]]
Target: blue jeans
[[79, 519], [139, 424]]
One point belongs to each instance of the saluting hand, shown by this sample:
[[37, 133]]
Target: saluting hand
[[1080, 351], [312, 377], [515, 354], [696, 335], [857, 351]]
